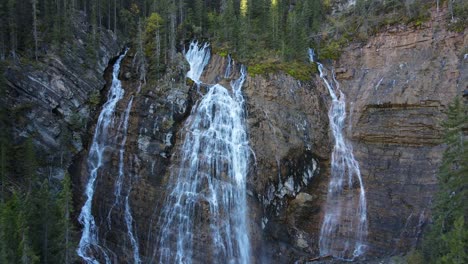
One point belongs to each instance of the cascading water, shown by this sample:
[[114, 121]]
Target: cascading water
[[118, 188], [89, 242], [208, 197], [197, 57], [344, 226]]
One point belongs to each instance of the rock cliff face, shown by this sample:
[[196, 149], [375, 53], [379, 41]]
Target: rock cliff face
[[287, 125], [399, 84], [49, 99]]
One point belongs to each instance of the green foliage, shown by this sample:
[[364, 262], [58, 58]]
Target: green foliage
[[128, 22], [95, 98], [154, 43], [167, 124], [446, 241], [457, 243], [415, 257], [332, 49], [77, 122], [65, 229], [460, 13], [300, 71], [35, 222]]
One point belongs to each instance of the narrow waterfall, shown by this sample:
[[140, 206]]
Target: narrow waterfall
[[344, 227], [89, 243], [206, 207], [118, 188]]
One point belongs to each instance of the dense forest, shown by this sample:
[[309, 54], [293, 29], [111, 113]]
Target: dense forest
[[282, 28], [35, 212]]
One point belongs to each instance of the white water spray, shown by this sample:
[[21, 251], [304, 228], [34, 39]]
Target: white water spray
[[344, 226], [197, 57], [89, 242], [210, 182]]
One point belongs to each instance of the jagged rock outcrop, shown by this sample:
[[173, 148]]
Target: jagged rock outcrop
[[49, 99]]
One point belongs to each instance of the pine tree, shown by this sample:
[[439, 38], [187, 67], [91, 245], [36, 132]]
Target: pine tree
[[451, 205], [153, 43], [3, 30], [5, 140], [457, 243], [34, 7], [64, 242], [9, 229], [172, 31], [12, 27]]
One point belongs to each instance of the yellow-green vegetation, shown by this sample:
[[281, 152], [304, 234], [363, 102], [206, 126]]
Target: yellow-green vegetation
[[299, 70], [332, 49], [222, 51], [94, 98], [167, 123], [154, 43], [189, 82]]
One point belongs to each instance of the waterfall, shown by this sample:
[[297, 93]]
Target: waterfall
[[118, 188], [207, 198], [227, 73], [197, 57], [344, 226], [89, 242]]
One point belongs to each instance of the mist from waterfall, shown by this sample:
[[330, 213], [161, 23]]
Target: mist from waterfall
[[207, 191], [344, 226]]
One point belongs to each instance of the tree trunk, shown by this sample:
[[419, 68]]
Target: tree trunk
[[115, 18], [67, 232], [108, 14], [34, 3], [99, 13], [172, 33]]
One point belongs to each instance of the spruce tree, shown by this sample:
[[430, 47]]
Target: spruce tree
[[451, 205], [64, 242]]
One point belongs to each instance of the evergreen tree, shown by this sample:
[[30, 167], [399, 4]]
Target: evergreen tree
[[153, 43], [448, 231], [12, 27], [64, 250], [9, 229], [34, 7]]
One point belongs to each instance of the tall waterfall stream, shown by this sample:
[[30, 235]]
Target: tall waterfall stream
[[211, 178], [89, 248], [344, 227]]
